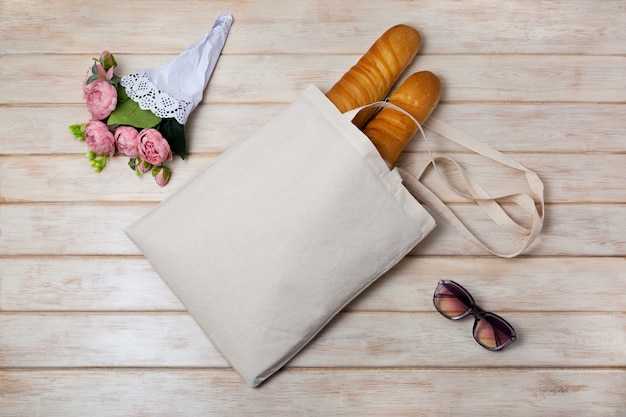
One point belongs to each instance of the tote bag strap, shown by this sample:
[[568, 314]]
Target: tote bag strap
[[531, 203]]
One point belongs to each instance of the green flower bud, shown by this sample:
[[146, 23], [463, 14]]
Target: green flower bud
[[78, 130], [98, 162]]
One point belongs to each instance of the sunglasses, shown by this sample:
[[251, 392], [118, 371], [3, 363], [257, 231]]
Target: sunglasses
[[490, 330]]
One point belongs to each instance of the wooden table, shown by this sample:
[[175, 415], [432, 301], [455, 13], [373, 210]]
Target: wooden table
[[87, 328]]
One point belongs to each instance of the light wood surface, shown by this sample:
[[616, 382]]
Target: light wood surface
[[87, 328]]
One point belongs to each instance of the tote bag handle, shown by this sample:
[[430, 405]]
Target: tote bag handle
[[532, 204]]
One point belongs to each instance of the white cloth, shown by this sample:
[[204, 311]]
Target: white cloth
[[268, 243], [175, 89]]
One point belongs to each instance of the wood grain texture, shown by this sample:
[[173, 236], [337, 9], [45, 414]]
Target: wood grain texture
[[100, 283], [312, 27], [88, 328], [344, 392], [570, 178], [525, 284], [353, 339], [246, 78]]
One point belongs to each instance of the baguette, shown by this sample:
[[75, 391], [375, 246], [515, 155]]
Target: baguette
[[390, 130], [378, 69]]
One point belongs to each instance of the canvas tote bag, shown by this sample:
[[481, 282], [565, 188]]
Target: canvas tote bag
[[276, 236]]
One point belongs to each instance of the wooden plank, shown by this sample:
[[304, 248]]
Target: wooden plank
[[97, 229], [576, 178], [295, 392], [70, 178], [550, 128], [58, 229], [572, 27], [524, 284], [213, 128], [353, 339], [144, 340], [355, 392], [279, 78], [83, 284]]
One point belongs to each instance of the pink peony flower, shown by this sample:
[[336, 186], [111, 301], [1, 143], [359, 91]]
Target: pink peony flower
[[162, 176], [99, 138], [153, 147], [102, 99], [127, 140]]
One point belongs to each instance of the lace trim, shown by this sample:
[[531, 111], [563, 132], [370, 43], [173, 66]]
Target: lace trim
[[143, 91]]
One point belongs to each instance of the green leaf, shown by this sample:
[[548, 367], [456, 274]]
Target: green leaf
[[129, 113], [174, 132], [121, 94], [91, 79], [115, 80]]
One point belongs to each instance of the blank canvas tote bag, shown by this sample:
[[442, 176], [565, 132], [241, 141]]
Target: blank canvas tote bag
[[269, 242], [279, 233]]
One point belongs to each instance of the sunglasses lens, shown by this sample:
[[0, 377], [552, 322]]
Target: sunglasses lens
[[493, 332], [451, 300]]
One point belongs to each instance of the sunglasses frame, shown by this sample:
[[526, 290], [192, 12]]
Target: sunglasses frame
[[477, 312]]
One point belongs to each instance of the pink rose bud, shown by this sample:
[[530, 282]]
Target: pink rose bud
[[102, 99], [127, 140], [107, 60], [153, 147], [161, 175], [143, 166], [99, 138], [103, 55]]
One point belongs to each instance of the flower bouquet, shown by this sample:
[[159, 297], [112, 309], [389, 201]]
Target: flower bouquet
[[142, 115]]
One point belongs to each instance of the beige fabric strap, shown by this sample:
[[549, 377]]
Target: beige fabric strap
[[533, 203]]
